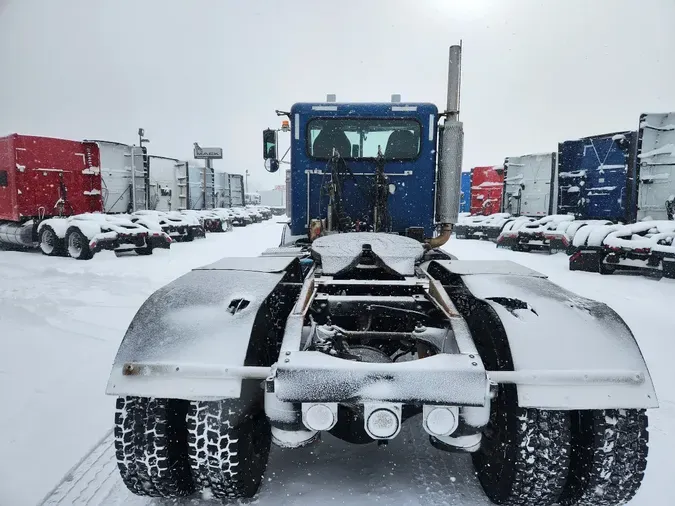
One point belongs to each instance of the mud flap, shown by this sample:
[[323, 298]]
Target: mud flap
[[586, 259], [507, 241], [219, 316], [551, 329]]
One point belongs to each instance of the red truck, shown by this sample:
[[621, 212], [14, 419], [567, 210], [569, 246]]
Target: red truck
[[50, 197], [487, 186]]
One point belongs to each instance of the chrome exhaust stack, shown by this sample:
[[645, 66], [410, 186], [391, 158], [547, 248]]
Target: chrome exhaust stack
[[451, 149]]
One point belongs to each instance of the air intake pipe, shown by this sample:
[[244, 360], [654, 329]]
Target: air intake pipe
[[451, 147]]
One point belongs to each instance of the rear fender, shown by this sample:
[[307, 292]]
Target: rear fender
[[544, 327], [227, 314]]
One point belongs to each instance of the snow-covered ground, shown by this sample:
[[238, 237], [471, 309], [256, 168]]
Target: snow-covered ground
[[61, 322]]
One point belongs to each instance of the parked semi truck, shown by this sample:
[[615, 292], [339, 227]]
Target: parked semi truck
[[597, 177], [236, 190], [465, 201], [656, 166], [530, 185], [53, 195], [222, 185], [360, 322], [487, 187], [168, 184]]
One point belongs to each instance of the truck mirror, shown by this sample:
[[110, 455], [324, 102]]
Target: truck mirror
[[270, 144], [272, 165]]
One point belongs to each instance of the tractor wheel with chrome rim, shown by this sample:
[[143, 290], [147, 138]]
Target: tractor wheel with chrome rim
[[78, 244], [50, 244]]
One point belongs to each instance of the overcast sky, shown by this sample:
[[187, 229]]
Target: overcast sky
[[214, 71]]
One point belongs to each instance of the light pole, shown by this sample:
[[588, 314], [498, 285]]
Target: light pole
[[246, 183], [141, 140]]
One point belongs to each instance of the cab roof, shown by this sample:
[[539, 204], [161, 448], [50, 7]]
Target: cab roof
[[364, 108]]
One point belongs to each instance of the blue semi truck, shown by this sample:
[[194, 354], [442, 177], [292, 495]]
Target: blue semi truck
[[360, 322], [465, 199], [340, 147]]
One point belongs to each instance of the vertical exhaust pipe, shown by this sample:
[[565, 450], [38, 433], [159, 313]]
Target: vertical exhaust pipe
[[451, 148]]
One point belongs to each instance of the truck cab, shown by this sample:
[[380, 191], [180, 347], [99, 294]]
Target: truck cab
[[401, 137]]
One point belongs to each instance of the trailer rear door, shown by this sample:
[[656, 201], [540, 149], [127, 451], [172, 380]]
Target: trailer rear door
[[222, 189], [163, 183], [596, 176], [237, 189], [8, 170], [656, 159], [124, 174], [200, 199], [530, 185]]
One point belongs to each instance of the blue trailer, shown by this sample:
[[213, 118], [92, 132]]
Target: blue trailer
[[596, 177], [465, 198]]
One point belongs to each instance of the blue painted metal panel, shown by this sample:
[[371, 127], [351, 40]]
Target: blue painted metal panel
[[465, 202], [596, 177], [411, 205]]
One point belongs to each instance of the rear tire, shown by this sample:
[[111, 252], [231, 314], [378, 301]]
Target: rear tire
[[524, 455], [151, 446], [50, 244], [144, 251], [604, 268], [78, 244], [228, 452], [609, 457]]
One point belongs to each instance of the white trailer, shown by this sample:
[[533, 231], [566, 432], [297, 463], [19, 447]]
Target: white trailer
[[530, 185], [236, 190], [656, 166], [273, 198], [222, 190], [198, 198], [124, 177], [168, 184]]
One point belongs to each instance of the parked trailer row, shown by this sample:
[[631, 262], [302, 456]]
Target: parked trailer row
[[606, 200], [621, 176], [76, 198]]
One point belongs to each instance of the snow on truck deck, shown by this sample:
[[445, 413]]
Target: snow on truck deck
[[61, 322]]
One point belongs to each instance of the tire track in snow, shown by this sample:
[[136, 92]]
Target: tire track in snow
[[87, 476]]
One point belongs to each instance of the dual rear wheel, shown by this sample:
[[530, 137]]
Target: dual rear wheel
[[572, 458], [173, 448], [74, 244]]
